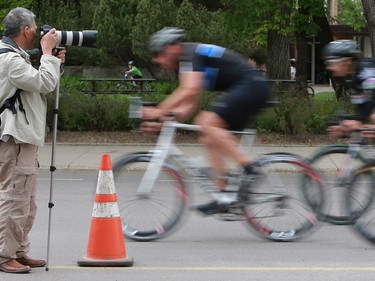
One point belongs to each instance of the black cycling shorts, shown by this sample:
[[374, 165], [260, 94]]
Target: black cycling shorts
[[242, 101]]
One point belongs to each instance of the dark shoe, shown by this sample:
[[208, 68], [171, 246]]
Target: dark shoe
[[249, 176], [12, 266], [31, 262], [212, 208]]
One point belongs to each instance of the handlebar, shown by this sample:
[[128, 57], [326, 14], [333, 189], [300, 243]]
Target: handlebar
[[136, 107]]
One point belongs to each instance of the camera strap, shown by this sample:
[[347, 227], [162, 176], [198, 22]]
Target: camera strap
[[10, 103]]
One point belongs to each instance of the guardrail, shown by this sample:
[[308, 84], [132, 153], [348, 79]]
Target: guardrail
[[123, 86]]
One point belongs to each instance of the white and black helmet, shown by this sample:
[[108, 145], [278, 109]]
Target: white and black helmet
[[341, 49], [164, 37]]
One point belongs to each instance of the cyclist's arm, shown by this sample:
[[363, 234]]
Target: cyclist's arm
[[365, 110], [184, 99]]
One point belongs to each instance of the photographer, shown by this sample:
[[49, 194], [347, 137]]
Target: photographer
[[22, 131]]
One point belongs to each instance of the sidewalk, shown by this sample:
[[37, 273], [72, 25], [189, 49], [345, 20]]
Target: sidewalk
[[87, 156], [322, 88]]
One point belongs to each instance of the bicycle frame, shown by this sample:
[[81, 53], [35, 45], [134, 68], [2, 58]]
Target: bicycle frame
[[165, 148], [352, 153], [347, 164]]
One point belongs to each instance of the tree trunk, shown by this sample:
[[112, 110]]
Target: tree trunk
[[324, 37], [277, 56], [303, 57], [369, 11]]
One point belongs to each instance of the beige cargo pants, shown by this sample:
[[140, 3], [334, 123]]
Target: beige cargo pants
[[18, 168]]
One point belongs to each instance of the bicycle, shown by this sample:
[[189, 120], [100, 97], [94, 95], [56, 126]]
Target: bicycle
[[338, 203], [156, 191], [363, 215]]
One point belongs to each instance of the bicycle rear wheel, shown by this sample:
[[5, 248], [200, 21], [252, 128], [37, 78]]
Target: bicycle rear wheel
[[276, 207], [150, 215], [310, 91], [360, 201], [325, 161]]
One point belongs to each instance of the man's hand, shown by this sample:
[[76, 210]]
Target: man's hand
[[151, 113], [345, 128], [335, 131], [49, 41], [370, 133], [348, 126], [151, 127], [61, 55]]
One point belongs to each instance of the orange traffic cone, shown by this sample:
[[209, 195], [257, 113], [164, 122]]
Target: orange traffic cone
[[106, 245]]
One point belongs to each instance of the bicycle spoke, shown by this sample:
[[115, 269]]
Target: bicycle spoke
[[283, 213], [151, 215]]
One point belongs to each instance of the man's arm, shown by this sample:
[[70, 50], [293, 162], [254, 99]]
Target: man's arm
[[183, 100]]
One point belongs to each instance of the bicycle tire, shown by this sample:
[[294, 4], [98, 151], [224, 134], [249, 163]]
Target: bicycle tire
[[334, 208], [151, 216], [310, 91], [360, 201], [285, 216]]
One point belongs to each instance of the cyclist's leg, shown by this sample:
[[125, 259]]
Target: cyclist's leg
[[230, 113], [219, 143]]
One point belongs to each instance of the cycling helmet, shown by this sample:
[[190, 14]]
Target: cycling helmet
[[341, 49], [131, 62], [164, 37]]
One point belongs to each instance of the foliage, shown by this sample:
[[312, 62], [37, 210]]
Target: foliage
[[303, 13], [69, 15], [83, 112], [200, 24], [351, 13], [125, 25], [292, 115], [7, 5], [115, 21], [151, 16]]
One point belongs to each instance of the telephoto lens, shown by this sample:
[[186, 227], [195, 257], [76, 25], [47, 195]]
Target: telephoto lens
[[85, 38]]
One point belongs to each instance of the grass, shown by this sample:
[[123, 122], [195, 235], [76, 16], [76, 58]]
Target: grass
[[325, 96]]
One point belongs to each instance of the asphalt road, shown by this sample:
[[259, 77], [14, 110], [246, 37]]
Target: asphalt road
[[202, 249]]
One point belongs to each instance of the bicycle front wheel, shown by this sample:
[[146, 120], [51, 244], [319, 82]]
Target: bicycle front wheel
[[360, 201], [330, 161], [153, 214], [276, 206]]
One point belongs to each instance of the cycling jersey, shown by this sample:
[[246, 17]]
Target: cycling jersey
[[363, 87], [246, 89], [222, 67], [136, 73]]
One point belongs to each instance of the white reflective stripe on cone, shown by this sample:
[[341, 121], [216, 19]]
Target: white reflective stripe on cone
[[105, 210]]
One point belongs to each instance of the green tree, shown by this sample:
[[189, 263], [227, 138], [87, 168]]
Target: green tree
[[188, 19], [68, 15], [201, 25], [114, 20], [369, 11], [351, 13], [270, 24], [7, 5], [152, 15]]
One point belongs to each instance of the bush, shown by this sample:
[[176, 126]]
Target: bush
[[292, 115], [102, 112]]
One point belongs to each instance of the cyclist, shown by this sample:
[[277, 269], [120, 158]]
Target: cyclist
[[133, 71], [343, 58], [210, 67]]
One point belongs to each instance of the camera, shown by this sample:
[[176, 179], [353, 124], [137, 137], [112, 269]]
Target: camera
[[85, 38]]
